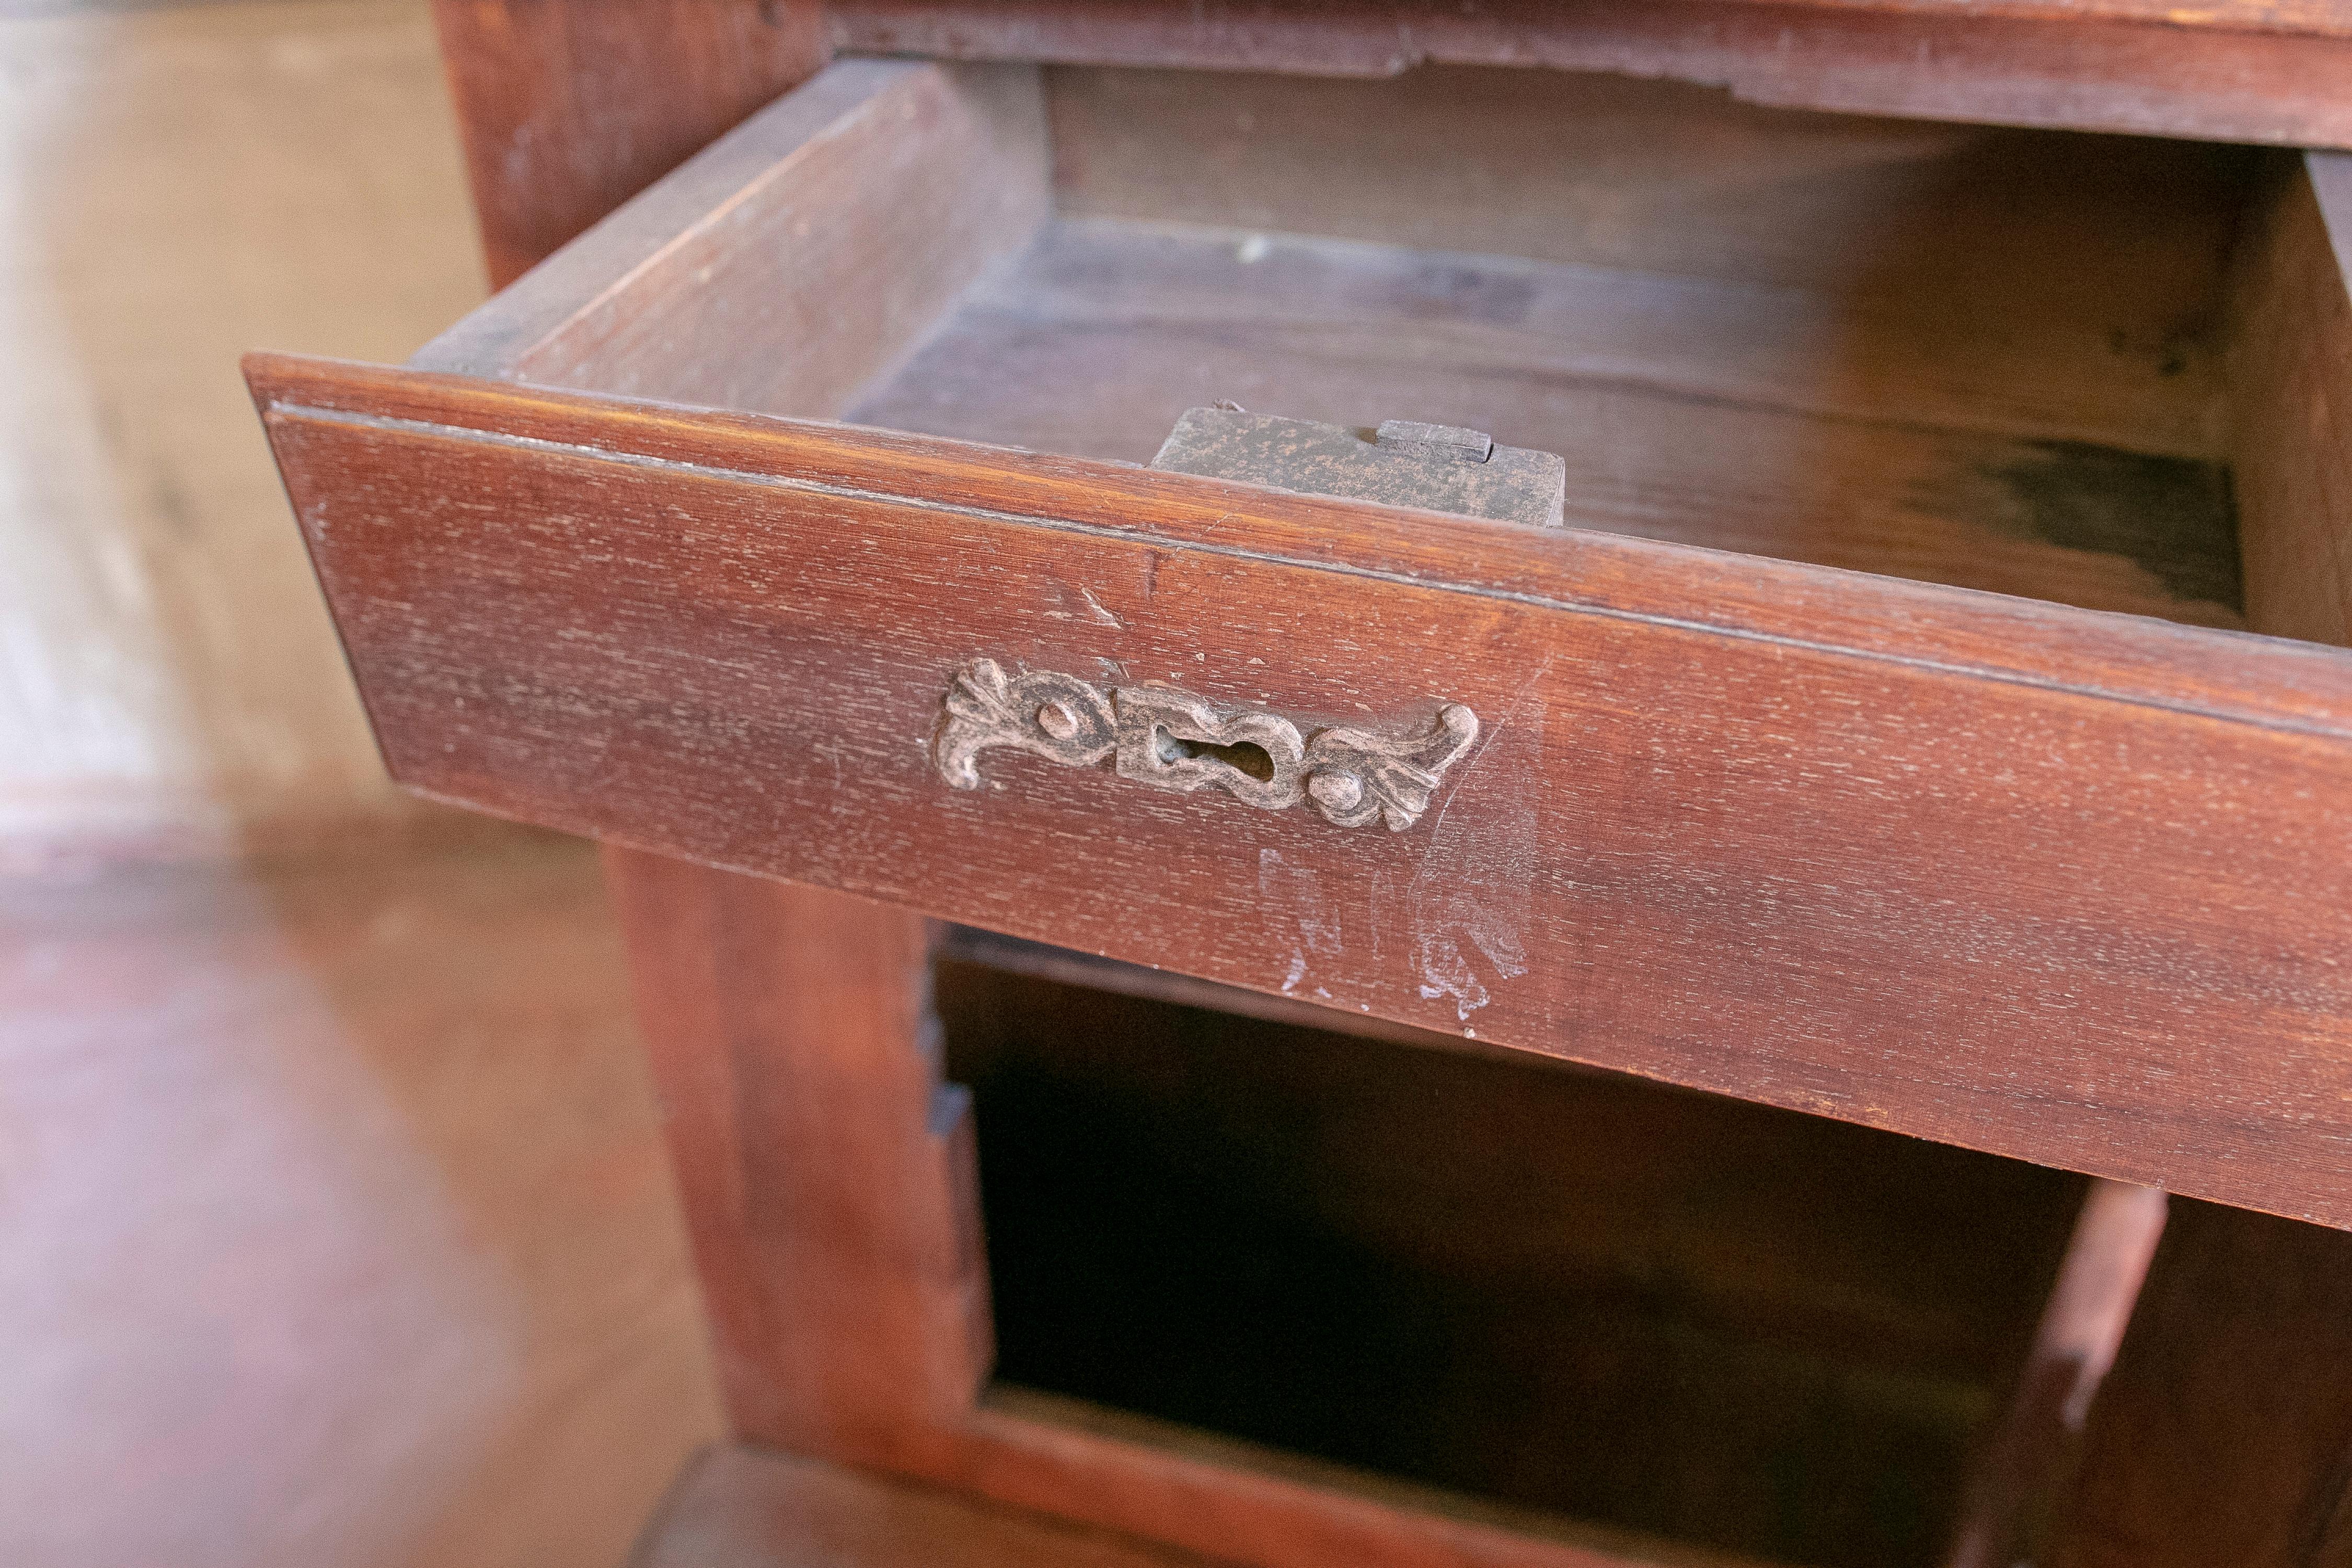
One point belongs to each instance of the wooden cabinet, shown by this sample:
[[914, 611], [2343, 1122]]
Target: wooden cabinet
[[1934, 717]]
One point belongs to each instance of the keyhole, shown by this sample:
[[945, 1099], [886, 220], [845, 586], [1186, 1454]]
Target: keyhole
[[1250, 759]]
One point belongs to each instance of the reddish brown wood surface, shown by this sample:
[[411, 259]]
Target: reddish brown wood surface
[[825, 1169], [2291, 358], [2222, 1435], [2056, 884], [2286, 15], [1928, 350], [720, 1003], [2106, 67], [1984, 277], [2031, 1453], [570, 107], [788, 264], [827, 1180], [874, 1384], [1683, 412], [1241, 1504], [748, 1508]]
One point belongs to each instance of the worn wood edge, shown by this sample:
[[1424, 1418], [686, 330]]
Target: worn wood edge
[[833, 267], [1296, 1513], [2325, 17], [1200, 1491], [2228, 676], [2084, 1134], [740, 1499], [629, 247], [568, 109], [2221, 1432], [2331, 177], [1066, 966], [2109, 72], [2030, 1454], [2288, 327]]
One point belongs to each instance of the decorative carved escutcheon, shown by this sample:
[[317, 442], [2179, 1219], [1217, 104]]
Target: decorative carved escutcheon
[[1356, 776], [1171, 739], [1059, 717]]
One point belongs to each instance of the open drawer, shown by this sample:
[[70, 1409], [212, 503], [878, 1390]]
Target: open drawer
[[1883, 738]]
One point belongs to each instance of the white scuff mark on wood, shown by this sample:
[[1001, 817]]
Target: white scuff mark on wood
[[1102, 616], [1300, 891], [1473, 893]]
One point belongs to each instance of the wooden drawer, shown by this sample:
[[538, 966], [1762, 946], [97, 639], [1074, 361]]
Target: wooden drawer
[[1883, 739]]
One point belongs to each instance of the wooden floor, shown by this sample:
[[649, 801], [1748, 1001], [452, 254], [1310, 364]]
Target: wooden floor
[[1762, 418], [336, 1223], [184, 182]]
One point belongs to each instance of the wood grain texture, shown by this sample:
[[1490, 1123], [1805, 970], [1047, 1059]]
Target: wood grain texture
[[793, 259], [730, 712], [2093, 71], [2330, 16], [2029, 410], [1278, 1522], [2059, 885], [2220, 1435], [571, 107], [338, 1221], [738, 1507], [1757, 420], [824, 1167], [1244, 1504], [827, 1175], [2290, 337], [1994, 279]]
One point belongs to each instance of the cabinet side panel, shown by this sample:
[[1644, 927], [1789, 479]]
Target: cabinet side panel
[[2291, 382], [571, 107], [795, 1055], [2222, 1433], [2174, 75]]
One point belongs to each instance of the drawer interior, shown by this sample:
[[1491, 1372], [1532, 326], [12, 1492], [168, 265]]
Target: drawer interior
[[2035, 363], [1559, 1291], [2038, 362], [1984, 357]]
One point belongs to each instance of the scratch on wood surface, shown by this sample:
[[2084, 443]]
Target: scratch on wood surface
[[1473, 892], [1299, 890], [1101, 615]]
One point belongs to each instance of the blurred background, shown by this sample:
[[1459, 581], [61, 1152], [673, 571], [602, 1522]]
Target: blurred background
[[334, 1226]]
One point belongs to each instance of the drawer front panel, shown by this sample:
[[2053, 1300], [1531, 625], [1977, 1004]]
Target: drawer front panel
[[2097, 922]]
